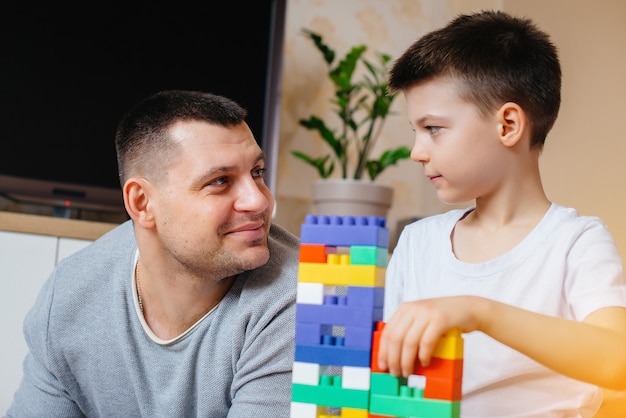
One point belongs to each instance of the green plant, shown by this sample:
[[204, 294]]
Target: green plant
[[362, 107]]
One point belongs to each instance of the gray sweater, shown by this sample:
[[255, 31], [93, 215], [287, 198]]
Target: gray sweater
[[89, 355]]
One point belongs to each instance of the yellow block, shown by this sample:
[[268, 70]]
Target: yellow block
[[339, 274], [450, 346], [347, 413], [354, 413]]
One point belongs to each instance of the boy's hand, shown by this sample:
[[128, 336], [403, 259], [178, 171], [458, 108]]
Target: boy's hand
[[415, 328]]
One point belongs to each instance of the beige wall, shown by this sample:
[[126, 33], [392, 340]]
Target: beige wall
[[582, 163]]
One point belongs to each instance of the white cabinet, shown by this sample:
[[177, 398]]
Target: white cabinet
[[26, 261], [68, 246]]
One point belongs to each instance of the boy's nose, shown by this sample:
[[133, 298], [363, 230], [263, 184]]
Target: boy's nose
[[419, 152]]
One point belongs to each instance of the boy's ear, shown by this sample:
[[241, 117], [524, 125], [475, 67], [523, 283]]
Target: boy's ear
[[512, 124], [136, 193]]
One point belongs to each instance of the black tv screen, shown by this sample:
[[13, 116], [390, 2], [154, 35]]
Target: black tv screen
[[68, 72]]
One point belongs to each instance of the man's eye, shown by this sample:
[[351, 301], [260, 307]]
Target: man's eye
[[219, 181], [259, 172]]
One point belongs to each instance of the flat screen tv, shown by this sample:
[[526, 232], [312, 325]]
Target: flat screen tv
[[69, 71]]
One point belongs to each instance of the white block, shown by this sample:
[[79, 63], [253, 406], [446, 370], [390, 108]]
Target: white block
[[416, 381], [310, 293], [306, 373], [303, 410], [355, 377]]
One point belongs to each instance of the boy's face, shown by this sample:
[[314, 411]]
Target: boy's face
[[459, 148]]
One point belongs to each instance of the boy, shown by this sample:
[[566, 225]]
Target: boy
[[538, 289]]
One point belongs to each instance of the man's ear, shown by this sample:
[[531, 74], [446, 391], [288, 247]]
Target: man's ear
[[136, 193], [512, 124]]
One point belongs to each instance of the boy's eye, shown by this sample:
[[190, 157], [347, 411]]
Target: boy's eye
[[432, 129]]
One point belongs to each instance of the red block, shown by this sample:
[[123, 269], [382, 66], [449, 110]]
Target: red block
[[315, 253]]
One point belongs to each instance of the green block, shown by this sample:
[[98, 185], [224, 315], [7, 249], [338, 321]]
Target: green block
[[331, 395], [418, 407], [369, 255], [386, 384]]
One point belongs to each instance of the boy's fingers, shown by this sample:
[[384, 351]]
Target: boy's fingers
[[393, 351], [412, 346], [392, 344]]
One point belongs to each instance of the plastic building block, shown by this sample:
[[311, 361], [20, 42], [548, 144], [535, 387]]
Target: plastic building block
[[311, 334], [355, 377], [390, 395], [315, 253], [373, 297], [312, 293], [338, 314], [314, 334], [333, 355], [306, 373], [441, 368], [341, 278], [335, 273], [417, 407], [303, 410], [443, 388], [375, 345], [330, 393], [450, 346], [354, 413], [366, 254], [345, 231], [308, 410]]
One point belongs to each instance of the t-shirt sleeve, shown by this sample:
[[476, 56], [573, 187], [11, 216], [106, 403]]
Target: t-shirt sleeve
[[394, 277], [596, 278]]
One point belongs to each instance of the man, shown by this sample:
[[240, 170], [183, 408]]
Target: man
[[187, 309]]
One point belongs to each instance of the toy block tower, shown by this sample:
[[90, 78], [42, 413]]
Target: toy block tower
[[341, 278]]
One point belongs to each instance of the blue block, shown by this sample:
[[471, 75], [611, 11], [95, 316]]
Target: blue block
[[330, 355], [311, 333], [359, 337], [338, 315], [354, 337], [366, 296], [345, 231]]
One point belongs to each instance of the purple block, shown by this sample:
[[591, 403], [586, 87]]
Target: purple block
[[358, 337], [365, 296], [345, 231], [308, 333], [340, 315]]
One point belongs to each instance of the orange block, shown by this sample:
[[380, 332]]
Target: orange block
[[443, 388], [375, 346], [315, 253], [441, 368]]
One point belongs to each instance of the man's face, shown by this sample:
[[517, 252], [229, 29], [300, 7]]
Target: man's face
[[211, 206]]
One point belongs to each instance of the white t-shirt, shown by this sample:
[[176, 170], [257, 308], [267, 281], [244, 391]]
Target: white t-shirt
[[568, 266]]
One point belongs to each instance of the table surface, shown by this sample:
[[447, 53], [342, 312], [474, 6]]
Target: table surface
[[48, 225]]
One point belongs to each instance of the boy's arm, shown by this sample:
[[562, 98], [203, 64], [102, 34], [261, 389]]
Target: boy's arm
[[613, 405], [593, 351]]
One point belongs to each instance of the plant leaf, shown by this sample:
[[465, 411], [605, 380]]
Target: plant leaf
[[327, 53], [388, 158], [319, 163], [316, 124]]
